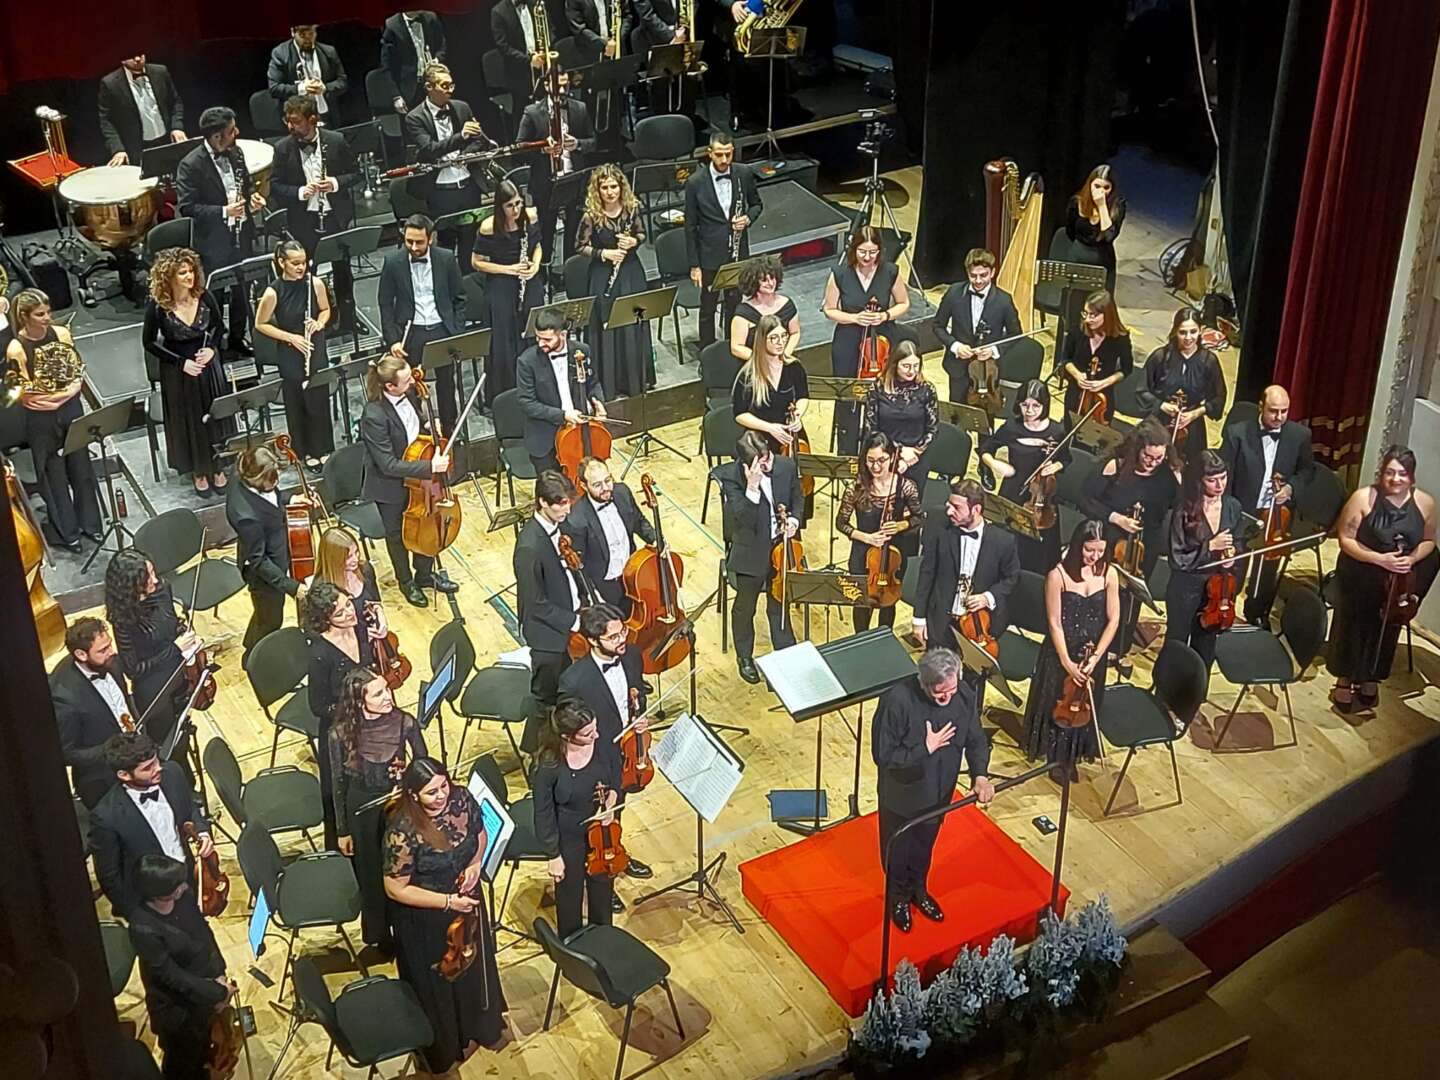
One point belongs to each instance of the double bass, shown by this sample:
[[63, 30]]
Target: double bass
[[578, 645], [589, 438], [874, 346], [212, 886], [44, 608], [299, 516], [605, 855], [652, 579], [984, 392], [882, 564], [431, 522], [636, 768], [394, 666], [974, 626]]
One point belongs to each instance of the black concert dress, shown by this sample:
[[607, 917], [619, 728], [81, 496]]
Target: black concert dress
[[149, 656], [855, 297], [189, 440], [328, 668], [508, 311], [1082, 619], [910, 415], [1026, 450], [861, 510], [1185, 593], [793, 386], [1199, 376], [751, 314], [626, 357], [1114, 354], [307, 409], [564, 799], [1094, 245]]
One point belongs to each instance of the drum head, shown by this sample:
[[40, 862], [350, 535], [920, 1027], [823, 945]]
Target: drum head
[[258, 155], [105, 185]]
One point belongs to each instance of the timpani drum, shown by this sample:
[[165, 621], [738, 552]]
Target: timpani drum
[[259, 159], [111, 205]]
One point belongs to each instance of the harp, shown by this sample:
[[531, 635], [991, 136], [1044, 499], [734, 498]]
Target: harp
[[1012, 231]]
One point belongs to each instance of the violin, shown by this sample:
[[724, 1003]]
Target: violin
[[984, 392], [299, 519], [799, 444], [1277, 519], [1094, 398], [226, 1041], [44, 608], [882, 564], [1177, 441], [874, 346], [636, 768], [1221, 587], [1130, 549], [1401, 600], [394, 666], [578, 645], [605, 855], [463, 938], [787, 555], [432, 518], [652, 581], [974, 626], [1040, 497], [1076, 706], [589, 438], [212, 885]]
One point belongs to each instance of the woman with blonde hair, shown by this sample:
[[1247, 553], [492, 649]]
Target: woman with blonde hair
[[183, 327], [338, 560], [768, 386], [610, 233]]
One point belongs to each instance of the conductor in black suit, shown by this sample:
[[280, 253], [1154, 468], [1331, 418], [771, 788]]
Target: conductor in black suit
[[92, 704], [213, 189], [410, 41], [389, 424], [547, 595], [922, 729], [512, 25], [551, 392], [421, 290], [1255, 452], [140, 109], [302, 65], [751, 487], [965, 306], [603, 524], [142, 815], [579, 143], [255, 509], [440, 127], [722, 201]]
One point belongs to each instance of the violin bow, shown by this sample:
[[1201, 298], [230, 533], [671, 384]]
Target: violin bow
[[1061, 444], [653, 707]]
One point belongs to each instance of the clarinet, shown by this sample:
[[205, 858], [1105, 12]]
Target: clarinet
[[241, 173], [629, 230], [322, 206], [522, 284], [735, 206]]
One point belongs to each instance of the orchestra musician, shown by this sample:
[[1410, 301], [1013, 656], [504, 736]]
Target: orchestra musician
[[769, 386], [140, 109], [303, 65], [611, 231], [760, 281], [579, 144], [589, 24], [255, 509], [547, 595], [574, 757], [389, 424], [433, 857], [1082, 608], [751, 487], [602, 526], [1256, 451], [66, 482], [964, 307], [338, 560], [437, 131], [1026, 437], [1386, 529], [551, 391], [372, 741], [651, 23], [293, 311], [865, 278], [409, 42], [879, 490], [142, 815], [713, 221], [181, 966], [1093, 218], [509, 252], [512, 26], [421, 291], [1103, 342], [923, 729], [903, 405], [92, 703], [210, 186], [1204, 528], [1183, 364]]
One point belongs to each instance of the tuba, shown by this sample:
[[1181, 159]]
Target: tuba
[[57, 364], [763, 15], [1012, 231]]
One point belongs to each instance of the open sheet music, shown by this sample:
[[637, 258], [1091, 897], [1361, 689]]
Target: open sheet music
[[800, 677], [699, 764]]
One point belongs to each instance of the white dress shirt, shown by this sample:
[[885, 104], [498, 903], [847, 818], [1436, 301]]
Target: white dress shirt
[[724, 184], [767, 489], [450, 175], [560, 365], [969, 554], [269, 496], [1268, 447], [406, 411], [977, 305], [600, 7], [422, 284], [618, 684], [152, 124], [311, 62], [617, 537], [312, 162], [417, 38], [527, 24], [226, 168], [161, 817], [109, 689], [553, 532]]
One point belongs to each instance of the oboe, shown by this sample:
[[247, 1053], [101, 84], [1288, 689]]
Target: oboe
[[734, 216], [322, 204]]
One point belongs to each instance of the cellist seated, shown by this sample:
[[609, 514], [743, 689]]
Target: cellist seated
[[552, 390]]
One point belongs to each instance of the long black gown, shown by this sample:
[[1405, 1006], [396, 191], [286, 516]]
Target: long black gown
[[626, 356], [860, 509], [855, 296], [472, 1008], [149, 655], [508, 314], [328, 668], [307, 409], [189, 441], [1082, 619], [1027, 450]]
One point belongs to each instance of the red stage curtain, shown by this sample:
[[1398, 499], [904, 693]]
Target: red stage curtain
[[1369, 110]]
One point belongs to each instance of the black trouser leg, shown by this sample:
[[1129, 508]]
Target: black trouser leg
[[545, 463], [266, 616], [545, 671], [742, 614], [66, 483], [238, 319], [307, 415], [782, 634], [392, 516], [184, 1049], [910, 859]]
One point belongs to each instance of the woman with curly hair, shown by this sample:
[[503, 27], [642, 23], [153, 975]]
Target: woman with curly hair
[[148, 637], [337, 647], [760, 281], [183, 327], [610, 233]]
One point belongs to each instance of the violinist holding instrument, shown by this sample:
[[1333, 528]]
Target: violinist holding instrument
[[1206, 526], [602, 526], [1028, 438], [966, 305], [432, 857], [879, 512], [1387, 564], [1182, 366], [903, 405], [255, 507], [559, 389], [92, 702], [1096, 358], [547, 594], [339, 560]]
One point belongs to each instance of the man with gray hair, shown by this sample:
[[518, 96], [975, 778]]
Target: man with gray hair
[[922, 728]]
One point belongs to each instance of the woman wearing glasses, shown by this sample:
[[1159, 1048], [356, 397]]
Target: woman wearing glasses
[[768, 385]]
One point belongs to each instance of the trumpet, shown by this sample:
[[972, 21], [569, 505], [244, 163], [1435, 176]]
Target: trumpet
[[57, 364]]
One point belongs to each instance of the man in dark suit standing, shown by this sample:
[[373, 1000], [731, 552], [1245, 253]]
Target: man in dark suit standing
[[142, 815], [602, 525], [214, 190], [1256, 452], [92, 704], [301, 65], [388, 425], [647, 25], [512, 25], [751, 487], [439, 128], [139, 109], [579, 144], [965, 306], [255, 509], [547, 595], [922, 729], [551, 391], [410, 42], [421, 292], [722, 201]]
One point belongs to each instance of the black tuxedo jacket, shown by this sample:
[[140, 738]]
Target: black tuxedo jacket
[[85, 723], [582, 19], [997, 568], [288, 177], [540, 393], [119, 835], [952, 322], [383, 434], [1245, 456], [284, 59], [509, 38], [585, 532], [263, 554], [179, 963], [707, 226], [201, 196], [535, 124], [120, 116], [542, 587], [747, 525], [397, 293], [423, 138], [650, 23], [910, 779], [582, 681], [398, 56]]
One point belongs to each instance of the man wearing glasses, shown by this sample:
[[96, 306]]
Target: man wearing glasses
[[438, 130]]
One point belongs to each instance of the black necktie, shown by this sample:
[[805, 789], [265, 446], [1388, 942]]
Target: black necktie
[[150, 796], [970, 535], [1270, 435]]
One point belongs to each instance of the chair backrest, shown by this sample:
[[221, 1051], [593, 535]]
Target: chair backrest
[[509, 417], [453, 634], [278, 664], [176, 233], [1021, 360], [718, 366], [313, 994], [671, 261], [1026, 607], [1125, 393], [949, 451], [1059, 245], [345, 473], [119, 954], [224, 773], [260, 862], [492, 68], [721, 432], [171, 539], [1070, 484], [380, 91], [1304, 623], [577, 274], [403, 202], [1321, 497], [1241, 412], [579, 970], [1181, 680], [663, 138], [489, 770], [265, 116], [909, 581]]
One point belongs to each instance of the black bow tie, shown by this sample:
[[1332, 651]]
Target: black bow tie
[[98, 678], [309, 147], [612, 664], [446, 113], [150, 796], [970, 535], [1270, 435], [977, 295]]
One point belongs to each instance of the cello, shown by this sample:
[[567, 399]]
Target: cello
[[44, 608], [974, 626], [636, 768], [589, 438], [788, 554], [799, 444], [882, 564], [652, 578], [212, 886], [394, 666], [984, 391], [605, 855], [432, 517], [299, 516], [578, 645], [874, 346]]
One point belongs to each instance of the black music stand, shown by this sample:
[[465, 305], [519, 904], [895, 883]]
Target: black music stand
[[258, 397], [472, 345], [728, 276], [1069, 276], [656, 178], [364, 142], [164, 161], [771, 43], [576, 314], [616, 76], [1102, 437], [832, 469], [825, 588], [566, 193], [631, 310], [1018, 519], [966, 417], [983, 664], [342, 247], [326, 379], [95, 427], [678, 60], [251, 275]]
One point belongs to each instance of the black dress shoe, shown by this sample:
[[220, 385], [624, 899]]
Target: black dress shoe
[[71, 545], [900, 915], [443, 582], [926, 905], [616, 904], [638, 869], [748, 671], [415, 594], [93, 535]]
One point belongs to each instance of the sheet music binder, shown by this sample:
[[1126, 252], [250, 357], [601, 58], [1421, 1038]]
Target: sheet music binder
[[699, 764], [863, 665]]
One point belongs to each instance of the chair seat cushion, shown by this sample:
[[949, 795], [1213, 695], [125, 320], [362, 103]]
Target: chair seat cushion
[[284, 800], [524, 841], [295, 715], [633, 967], [219, 580], [1253, 656], [1132, 717], [381, 1019], [318, 891], [364, 518], [1018, 655], [497, 693], [517, 462], [687, 294]]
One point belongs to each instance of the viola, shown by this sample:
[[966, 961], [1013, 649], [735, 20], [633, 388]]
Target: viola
[[1401, 600], [44, 608], [636, 768], [1094, 398], [1221, 588], [299, 516], [874, 346], [589, 438], [605, 855], [394, 666], [463, 938], [984, 392], [1040, 497], [432, 517], [882, 564], [1277, 520], [787, 555], [578, 645], [1130, 549], [1177, 440], [799, 444], [1076, 706], [974, 626], [227, 1040], [652, 582], [212, 884]]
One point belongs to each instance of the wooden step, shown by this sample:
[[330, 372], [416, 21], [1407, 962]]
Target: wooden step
[[1201, 1043]]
